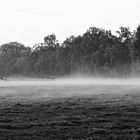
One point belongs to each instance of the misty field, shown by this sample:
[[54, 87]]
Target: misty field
[[67, 110]]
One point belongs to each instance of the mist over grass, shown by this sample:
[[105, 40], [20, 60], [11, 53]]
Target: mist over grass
[[70, 107], [74, 80]]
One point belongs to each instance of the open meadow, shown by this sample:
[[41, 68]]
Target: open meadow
[[99, 109]]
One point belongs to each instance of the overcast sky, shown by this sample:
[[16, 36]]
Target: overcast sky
[[28, 21]]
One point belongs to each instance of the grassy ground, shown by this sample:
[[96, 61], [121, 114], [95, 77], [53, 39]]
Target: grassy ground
[[100, 117]]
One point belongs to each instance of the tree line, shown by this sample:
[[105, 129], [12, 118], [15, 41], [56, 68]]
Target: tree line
[[96, 52]]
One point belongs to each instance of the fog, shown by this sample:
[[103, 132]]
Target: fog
[[41, 89], [72, 82]]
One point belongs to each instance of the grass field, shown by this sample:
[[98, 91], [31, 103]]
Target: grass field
[[100, 112]]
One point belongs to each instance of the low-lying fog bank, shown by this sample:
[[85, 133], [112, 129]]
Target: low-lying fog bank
[[71, 82], [24, 90]]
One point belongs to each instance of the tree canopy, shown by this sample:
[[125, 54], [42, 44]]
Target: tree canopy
[[97, 51]]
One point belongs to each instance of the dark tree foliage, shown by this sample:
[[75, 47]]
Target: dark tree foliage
[[14, 58], [97, 51], [46, 56], [137, 42]]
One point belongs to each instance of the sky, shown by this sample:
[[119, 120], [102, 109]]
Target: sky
[[29, 21]]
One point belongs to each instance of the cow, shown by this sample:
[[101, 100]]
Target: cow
[[2, 77]]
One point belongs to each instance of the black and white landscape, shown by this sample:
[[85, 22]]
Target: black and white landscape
[[69, 70]]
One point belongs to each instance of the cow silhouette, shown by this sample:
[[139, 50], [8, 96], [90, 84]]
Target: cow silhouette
[[2, 77]]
